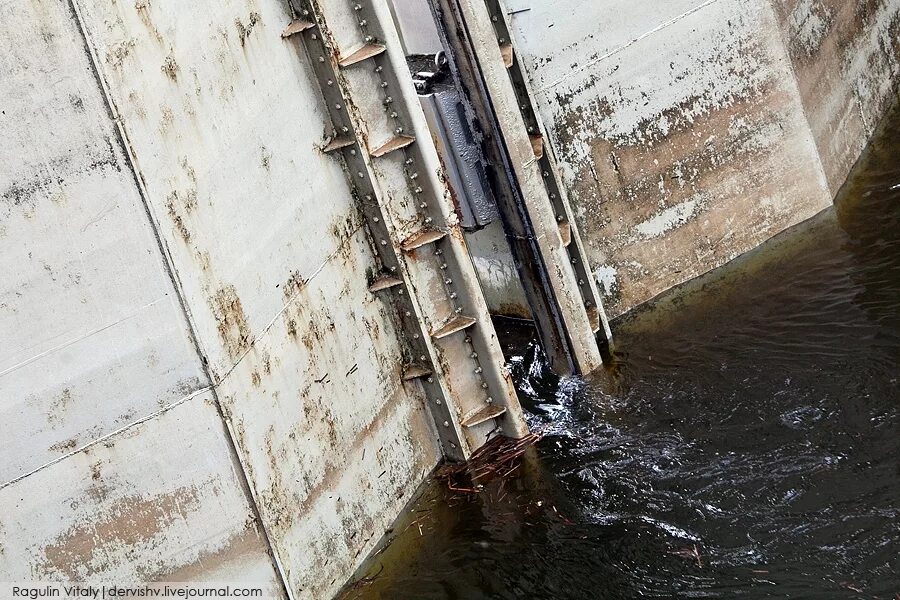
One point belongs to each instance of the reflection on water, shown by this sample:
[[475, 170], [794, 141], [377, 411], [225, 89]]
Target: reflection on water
[[746, 440]]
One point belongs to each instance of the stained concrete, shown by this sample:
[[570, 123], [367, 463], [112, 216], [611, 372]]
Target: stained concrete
[[691, 131], [176, 248], [175, 244]]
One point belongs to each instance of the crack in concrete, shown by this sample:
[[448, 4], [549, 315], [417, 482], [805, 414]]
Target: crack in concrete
[[624, 46]]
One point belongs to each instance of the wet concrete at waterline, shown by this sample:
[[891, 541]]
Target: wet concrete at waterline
[[745, 441]]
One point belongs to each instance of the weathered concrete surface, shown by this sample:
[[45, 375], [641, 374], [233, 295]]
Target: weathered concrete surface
[[93, 334], [681, 130], [225, 122], [159, 501], [846, 57], [222, 123], [97, 347]]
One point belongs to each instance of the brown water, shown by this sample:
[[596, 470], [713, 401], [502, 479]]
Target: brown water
[[745, 442]]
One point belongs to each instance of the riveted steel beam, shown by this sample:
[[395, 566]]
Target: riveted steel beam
[[390, 161]]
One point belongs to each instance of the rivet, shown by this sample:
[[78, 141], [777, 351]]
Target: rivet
[[490, 400], [353, 152], [408, 313], [408, 161], [321, 59], [574, 261], [330, 82], [431, 380], [368, 197], [400, 292], [357, 7], [418, 190], [369, 39], [344, 129], [384, 242], [384, 84], [443, 266], [314, 36], [428, 220], [398, 131], [484, 386], [437, 401], [546, 174], [415, 336], [388, 100], [360, 174], [458, 310], [452, 445], [438, 251], [474, 355], [379, 69], [446, 424], [448, 281], [305, 12], [467, 339], [552, 196], [478, 370], [376, 219], [423, 205], [338, 106], [414, 176], [559, 218], [452, 294], [422, 357], [394, 114], [581, 282], [363, 23], [393, 269]]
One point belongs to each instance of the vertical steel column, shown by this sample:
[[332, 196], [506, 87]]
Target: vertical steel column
[[476, 32], [426, 272]]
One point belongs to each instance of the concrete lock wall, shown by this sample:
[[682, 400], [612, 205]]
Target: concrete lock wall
[[175, 247], [691, 131], [195, 383]]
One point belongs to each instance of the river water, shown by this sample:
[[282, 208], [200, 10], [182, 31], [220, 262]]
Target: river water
[[744, 442]]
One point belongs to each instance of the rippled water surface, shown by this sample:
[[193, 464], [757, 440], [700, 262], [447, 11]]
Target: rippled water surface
[[745, 442]]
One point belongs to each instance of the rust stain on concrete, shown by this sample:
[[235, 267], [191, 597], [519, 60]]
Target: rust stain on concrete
[[127, 521], [234, 331]]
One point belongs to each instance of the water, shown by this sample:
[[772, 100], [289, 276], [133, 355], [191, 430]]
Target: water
[[745, 442]]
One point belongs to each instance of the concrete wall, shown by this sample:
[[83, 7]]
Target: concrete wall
[[846, 58], [691, 131], [174, 245]]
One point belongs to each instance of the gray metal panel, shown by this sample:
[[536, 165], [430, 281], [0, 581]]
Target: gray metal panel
[[417, 27], [461, 157]]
